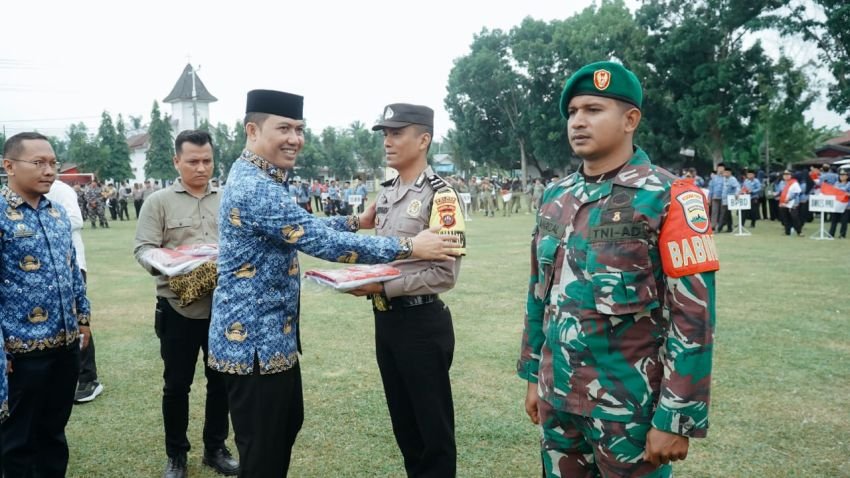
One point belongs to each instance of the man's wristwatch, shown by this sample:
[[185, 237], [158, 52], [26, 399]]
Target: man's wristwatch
[[405, 248]]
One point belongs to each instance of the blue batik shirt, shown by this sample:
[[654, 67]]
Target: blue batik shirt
[[4, 386], [753, 186], [43, 296], [715, 186], [261, 229]]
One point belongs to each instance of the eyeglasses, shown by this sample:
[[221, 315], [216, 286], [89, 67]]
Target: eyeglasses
[[40, 163]]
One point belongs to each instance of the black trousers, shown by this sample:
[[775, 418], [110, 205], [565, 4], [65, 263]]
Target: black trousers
[[791, 218], [774, 210], [753, 213], [842, 218], [180, 340], [137, 203], [414, 348], [267, 413], [122, 210], [41, 395], [88, 364]]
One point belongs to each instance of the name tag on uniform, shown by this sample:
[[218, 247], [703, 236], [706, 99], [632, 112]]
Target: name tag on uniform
[[551, 227], [382, 209], [23, 231], [617, 232]]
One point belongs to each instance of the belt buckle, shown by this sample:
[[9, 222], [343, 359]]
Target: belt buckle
[[380, 303]]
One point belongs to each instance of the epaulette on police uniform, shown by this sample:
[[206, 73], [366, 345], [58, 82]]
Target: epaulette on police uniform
[[437, 183]]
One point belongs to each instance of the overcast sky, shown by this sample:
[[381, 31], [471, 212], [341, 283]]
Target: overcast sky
[[63, 62]]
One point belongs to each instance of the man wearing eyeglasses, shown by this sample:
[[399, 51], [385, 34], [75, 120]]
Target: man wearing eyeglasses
[[45, 318]]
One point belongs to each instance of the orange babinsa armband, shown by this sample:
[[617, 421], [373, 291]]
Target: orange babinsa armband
[[686, 242]]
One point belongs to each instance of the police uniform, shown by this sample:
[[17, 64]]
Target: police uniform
[[414, 338], [620, 309], [253, 338], [44, 303]]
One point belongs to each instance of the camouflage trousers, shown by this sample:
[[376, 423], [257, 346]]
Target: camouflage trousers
[[574, 446], [97, 213]]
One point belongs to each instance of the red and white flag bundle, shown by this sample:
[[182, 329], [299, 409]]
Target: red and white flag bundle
[[353, 277], [181, 259], [841, 198]]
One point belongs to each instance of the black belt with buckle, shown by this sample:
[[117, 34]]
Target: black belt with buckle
[[382, 304]]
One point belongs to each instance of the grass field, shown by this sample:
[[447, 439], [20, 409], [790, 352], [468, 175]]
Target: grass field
[[781, 396]]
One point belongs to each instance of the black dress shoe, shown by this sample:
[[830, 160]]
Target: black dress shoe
[[221, 461], [176, 467]]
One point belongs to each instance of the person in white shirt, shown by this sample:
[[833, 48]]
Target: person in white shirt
[[88, 386]]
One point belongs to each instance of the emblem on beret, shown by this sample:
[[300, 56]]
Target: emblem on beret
[[601, 79], [388, 113], [414, 207], [236, 333], [694, 208]]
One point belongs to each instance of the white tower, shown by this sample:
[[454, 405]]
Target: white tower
[[190, 100]]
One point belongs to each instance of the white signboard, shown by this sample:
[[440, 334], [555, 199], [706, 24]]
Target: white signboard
[[355, 199], [507, 197], [466, 198], [822, 203], [736, 203]]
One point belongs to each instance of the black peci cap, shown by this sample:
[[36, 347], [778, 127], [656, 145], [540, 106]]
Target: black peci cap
[[275, 103], [399, 115]]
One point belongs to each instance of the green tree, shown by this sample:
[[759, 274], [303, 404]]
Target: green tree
[[368, 148], [312, 159], [699, 63], [338, 152], [158, 159], [82, 149], [826, 25], [114, 161]]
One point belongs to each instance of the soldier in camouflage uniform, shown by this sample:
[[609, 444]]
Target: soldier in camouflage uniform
[[95, 205], [620, 313]]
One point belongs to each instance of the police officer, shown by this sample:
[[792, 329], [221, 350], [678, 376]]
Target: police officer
[[255, 319], [414, 338], [620, 310]]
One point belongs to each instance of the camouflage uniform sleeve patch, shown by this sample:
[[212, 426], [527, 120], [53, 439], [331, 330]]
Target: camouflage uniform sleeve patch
[[686, 241]]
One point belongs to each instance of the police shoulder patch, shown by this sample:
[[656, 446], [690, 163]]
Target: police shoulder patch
[[446, 213], [686, 241]]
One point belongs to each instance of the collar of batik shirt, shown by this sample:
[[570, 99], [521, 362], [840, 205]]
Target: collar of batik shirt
[[274, 172], [15, 200]]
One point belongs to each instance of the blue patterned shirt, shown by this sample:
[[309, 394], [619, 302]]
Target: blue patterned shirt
[[261, 229], [43, 296]]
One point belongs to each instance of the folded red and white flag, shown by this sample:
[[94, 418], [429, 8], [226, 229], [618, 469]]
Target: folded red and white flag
[[181, 259], [353, 277]]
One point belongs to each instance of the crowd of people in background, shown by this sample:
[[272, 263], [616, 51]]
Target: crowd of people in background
[[780, 196]]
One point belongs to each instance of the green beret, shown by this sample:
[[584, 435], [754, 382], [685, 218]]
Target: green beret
[[604, 78]]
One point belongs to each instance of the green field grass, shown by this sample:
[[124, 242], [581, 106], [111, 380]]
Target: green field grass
[[781, 395]]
